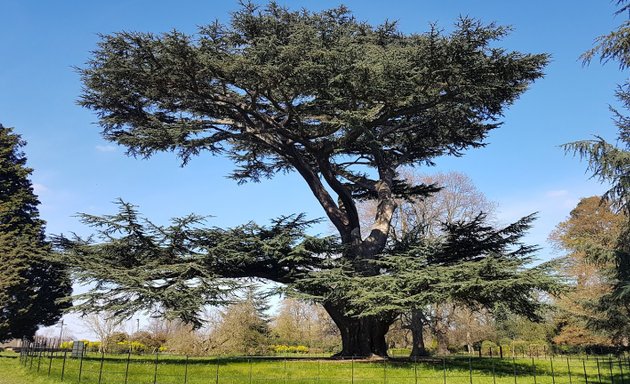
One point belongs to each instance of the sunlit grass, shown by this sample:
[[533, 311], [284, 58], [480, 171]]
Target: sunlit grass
[[12, 373], [166, 369]]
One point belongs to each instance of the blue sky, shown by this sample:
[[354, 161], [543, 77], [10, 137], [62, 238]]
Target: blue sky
[[75, 170]]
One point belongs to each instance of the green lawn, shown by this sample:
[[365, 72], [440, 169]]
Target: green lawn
[[12, 373], [177, 370]]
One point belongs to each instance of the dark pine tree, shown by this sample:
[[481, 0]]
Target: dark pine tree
[[31, 286]]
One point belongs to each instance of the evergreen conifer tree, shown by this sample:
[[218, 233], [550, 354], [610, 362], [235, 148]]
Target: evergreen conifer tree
[[608, 162], [30, 285], [342, 103]]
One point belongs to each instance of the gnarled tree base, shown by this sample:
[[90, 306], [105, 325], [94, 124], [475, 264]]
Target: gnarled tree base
[[360, 337]]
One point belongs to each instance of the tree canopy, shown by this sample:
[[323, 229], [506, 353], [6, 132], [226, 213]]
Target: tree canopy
[[472, 263], [341, 102], [318, 93], [611, 163], [446, 257], [179, 268], [608, 162], [588, 315], [31, 286]]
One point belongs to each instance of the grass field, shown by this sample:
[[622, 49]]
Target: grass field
[[12, 373], [453, 370]]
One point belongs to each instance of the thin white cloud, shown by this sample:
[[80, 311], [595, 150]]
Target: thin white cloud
[[562, 199], [553, 206], [39, 188], [105, 148]]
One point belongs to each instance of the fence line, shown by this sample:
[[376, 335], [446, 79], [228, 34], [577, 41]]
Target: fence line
[[167, 369]]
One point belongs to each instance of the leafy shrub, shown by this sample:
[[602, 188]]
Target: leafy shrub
[[487, 346], [138, 347], [66, 345], [520, 347], [301, 349], [283, 349], [280, 349]]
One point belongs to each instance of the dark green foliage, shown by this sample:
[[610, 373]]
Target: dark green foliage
[[182, 267], [613, 320], [30, 285], [318, 93], [343, 103], [622, 259], [472, 264], [611, 163]]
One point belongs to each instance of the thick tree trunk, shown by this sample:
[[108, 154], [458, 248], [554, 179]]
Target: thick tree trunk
[[360, 337], [442, 342], [416, 326], [365, 336]]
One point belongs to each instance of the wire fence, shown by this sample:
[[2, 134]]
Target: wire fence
[[48, 359]]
